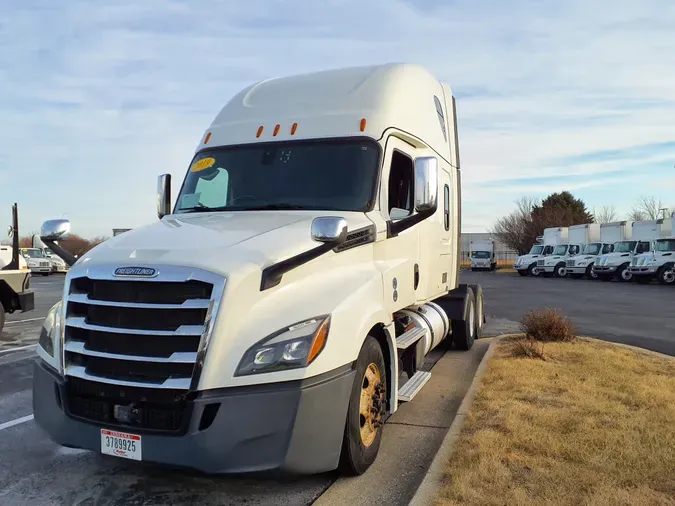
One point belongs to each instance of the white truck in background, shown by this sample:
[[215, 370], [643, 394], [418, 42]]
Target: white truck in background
[[526, 265], [37, 261], [15, 292], [482, 255], [580, 266], [616, 265], [56, 263], [278, 314], [659, 263], [577, 237]]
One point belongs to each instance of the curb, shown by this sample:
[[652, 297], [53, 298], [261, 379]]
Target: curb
[[630, 347], [426, 492]]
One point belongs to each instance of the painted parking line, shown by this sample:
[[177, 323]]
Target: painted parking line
[[14, 322], [18, 421], [18, 348]]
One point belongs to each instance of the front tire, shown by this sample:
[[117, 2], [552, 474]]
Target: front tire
[[531, 270], [623, 274], [365, 413], [559, 271], [590, 273], [666, 275]]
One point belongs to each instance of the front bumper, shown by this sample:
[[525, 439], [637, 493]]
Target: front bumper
[[293, 427], [644, 270], [605, 269], [548, 269], [41, 270], [577, 269]]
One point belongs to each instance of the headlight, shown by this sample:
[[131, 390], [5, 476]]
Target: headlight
[[50, 337], [291, 347]]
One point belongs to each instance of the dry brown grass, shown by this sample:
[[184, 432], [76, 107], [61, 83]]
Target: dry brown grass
[[592, 425]]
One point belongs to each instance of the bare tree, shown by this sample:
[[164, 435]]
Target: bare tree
[[648, 208], [606, 214], [514, 229]]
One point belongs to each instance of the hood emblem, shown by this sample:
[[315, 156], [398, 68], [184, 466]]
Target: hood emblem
[[145, 272]]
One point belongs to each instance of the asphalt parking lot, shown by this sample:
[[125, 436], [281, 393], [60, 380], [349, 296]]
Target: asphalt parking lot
[[628, 313], [33, 470]]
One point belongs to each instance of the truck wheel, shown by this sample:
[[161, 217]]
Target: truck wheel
[[2, 317], [590, 274], [624, 274], [530, 270], [559, 271], [365, 414], [666, 275], [480, 310], [463, 331]]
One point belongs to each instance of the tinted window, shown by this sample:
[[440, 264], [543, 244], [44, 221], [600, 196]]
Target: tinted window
[[401, 176]]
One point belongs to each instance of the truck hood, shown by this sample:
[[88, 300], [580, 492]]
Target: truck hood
[[216, 242]]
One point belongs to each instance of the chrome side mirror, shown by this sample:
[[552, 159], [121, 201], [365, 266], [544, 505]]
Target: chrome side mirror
[[329, 229], [55, 230], [426, 183], [163, 195]]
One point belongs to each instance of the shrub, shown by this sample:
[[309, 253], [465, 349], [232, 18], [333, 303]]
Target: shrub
[[547, 324], [528, 348]]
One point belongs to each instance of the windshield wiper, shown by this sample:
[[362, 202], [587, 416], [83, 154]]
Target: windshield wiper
[[201, 208]]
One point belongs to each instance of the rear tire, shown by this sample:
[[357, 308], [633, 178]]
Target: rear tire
[[363, 427], [480, 310], [463, 331], [2, 317]]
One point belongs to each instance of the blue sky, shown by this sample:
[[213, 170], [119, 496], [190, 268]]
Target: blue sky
[[97, 98]]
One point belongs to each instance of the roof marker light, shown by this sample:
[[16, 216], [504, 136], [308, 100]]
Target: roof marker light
[[208, 136], [294, 128], [363, 124], [260, 131], [276, 130]]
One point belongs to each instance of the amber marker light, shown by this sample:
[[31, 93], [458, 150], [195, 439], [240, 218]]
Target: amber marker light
[[208, 136], [260, 131], [319, 342], [276, 130], [294, 128], [363, 124]]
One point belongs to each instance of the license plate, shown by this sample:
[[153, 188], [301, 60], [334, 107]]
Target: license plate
[[121, 444]]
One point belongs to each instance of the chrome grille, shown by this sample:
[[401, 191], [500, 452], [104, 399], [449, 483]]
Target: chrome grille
[[540, 263], [138, 332], [570, 263]]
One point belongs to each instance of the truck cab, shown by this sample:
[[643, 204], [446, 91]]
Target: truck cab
[[526, 265], [555, 263], [281, 309], [579, 266], [37, 261], [659, 264]]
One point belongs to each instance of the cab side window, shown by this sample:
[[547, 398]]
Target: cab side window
[[643, 247], [401, 192]]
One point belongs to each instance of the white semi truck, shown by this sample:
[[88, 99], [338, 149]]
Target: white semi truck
[[283, 309], [659, 263], [482, 255], [580, 266], [638, 240], [15, 292], [56, 263], [526, 265], [577, 238]]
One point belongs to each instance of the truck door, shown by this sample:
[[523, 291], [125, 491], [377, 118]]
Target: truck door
[[397, 200]]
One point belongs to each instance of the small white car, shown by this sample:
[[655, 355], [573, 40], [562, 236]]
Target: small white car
[[658, 264], [37, 262]]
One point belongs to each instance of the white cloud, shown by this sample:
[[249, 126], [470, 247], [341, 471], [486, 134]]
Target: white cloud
[[97, 99]]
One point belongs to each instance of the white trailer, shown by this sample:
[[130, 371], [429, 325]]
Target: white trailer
[[283, 308], [482, 255], [616, 264], [526, 265], [580, 266], [659, 263]]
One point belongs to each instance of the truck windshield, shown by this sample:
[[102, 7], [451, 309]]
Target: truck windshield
[[536, 250], [560, 250], [326, 175], [480, 254], [665, 245], [624, 246], [592, 249], [33, 253]]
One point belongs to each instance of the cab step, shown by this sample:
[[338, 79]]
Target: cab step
[[413, 386], [409, 338]]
